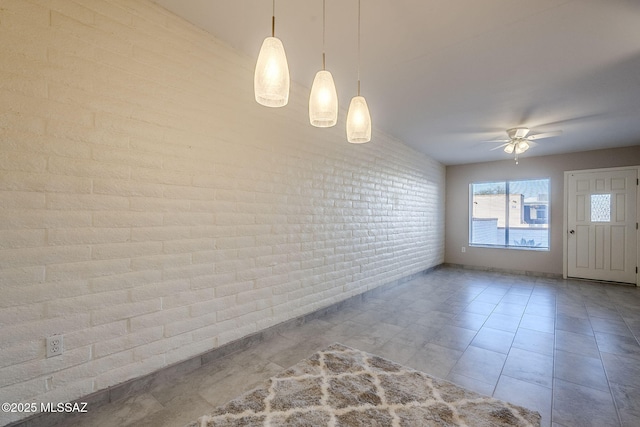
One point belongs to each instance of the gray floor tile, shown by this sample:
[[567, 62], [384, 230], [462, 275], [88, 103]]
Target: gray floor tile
[[503, 322], [480, 364], [340, 316], [169, 393], [434, 318], [610, 326], [471, 384], [434, 360], [128, 412], [617, 344], [529, 366], [377, 335], [396, 351], [423, 306], [311, 328], [573, 324], [191, 408], [541, 309], [402, 318], [628, 403], [577, 343], [634, 326], [489, 297], [469, 320], [572, 309], [576, 405], [526, 394], [370, 317], [510, 309], [362, 344], [543, 297], [578, 369], [298, 350], [538, 323], [346, 329], [462, 297], [416, 335], [531, 340], [494, 289], [515, 298], [480, 307], [453, 308], [621, 370], [217, 391], [595, 310], [493, 339], [522, 286], [265, 351], [453, 337]]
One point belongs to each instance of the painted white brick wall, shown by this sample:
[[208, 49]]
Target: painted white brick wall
[[150, 210]]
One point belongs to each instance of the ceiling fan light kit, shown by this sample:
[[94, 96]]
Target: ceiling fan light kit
[[522, 146], [520, 140], [271, 87], [509, 148]]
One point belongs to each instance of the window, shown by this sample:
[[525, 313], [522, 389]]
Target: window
[[601, 208], [512, 214]]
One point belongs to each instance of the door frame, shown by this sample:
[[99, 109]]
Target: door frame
[[565, 214]]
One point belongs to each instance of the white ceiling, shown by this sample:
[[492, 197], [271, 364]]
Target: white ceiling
[[446, 75]]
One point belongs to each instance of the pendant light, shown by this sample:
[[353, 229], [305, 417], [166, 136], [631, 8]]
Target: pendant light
[[271, 79], [358, 117], [323, 101]]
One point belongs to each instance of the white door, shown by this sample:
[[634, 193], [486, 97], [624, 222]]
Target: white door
[[601, 223]]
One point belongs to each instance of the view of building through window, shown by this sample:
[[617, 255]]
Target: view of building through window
[[510, 214]]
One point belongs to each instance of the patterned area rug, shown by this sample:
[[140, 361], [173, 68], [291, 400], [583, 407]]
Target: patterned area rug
[[342, 386]]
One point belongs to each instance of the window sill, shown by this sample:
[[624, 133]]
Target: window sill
[[517, 248]]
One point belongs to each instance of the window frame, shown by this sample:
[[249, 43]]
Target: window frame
[[505, 183]]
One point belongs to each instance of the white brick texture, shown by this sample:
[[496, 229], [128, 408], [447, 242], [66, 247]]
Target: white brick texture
[[151, 210]]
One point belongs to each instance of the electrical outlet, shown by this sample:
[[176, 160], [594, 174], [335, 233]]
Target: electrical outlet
[[54, 345], [464, 249]]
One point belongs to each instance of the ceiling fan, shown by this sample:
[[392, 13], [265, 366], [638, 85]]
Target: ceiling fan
[[520, 140]]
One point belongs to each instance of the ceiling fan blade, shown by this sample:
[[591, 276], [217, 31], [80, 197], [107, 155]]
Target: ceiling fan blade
[[498, 140], [576, 120], [544, 135], [499, 146]]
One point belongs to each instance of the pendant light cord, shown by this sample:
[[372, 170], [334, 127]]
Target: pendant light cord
[[273, 20], [358, 47], [324, 7]]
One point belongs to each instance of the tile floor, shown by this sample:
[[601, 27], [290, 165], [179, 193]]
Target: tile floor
[[568, 349]]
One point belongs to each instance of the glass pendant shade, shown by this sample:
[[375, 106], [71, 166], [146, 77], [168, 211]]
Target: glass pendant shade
[[358, 121], [323, 101], [509, 148], [522, 146], [271, 79]]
